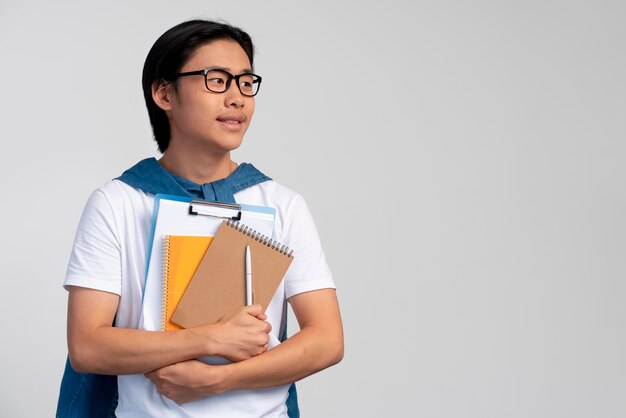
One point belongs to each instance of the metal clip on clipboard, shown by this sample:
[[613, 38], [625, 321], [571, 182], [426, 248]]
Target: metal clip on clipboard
[[216, 209]]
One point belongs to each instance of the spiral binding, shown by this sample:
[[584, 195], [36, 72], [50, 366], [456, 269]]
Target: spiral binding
[[166, 275], [257, 236]]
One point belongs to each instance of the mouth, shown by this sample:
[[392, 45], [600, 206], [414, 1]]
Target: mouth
[[232, 119], [232, 122]]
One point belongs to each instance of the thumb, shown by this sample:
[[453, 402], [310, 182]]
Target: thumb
[[254, 310]]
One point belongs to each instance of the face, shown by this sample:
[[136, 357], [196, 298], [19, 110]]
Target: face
[[202, 120]]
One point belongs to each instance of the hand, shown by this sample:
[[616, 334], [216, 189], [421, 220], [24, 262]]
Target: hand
[[240, 334], [186, 381]]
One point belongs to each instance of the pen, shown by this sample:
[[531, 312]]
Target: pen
[[248, 277]]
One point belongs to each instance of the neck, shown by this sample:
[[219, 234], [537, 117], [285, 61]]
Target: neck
[[199, 168]]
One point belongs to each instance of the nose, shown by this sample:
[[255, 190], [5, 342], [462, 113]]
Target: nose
[[233, 97]]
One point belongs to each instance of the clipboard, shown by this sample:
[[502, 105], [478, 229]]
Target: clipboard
[[175, 215]]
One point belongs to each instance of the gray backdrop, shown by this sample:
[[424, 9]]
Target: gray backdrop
[[464, 162]]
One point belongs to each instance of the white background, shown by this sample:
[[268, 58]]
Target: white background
[[464, 162]]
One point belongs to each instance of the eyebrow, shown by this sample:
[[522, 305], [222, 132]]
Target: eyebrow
[[217, 67]]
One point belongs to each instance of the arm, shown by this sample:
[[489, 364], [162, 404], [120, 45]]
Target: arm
[[95, 346], [318, 345]]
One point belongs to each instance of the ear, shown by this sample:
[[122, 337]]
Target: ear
[[162, 94]]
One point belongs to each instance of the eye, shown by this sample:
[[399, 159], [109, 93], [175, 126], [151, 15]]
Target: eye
[[246, 83], [216, 81]]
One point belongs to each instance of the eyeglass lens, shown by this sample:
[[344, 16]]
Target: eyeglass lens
[[218, 81]]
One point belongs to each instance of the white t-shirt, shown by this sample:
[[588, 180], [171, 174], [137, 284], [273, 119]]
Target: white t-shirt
[[110, 254]]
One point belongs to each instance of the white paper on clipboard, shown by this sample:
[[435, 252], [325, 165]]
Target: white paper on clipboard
[[172, 215]]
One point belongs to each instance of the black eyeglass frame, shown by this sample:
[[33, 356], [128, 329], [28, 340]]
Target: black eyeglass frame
[[256, 79]]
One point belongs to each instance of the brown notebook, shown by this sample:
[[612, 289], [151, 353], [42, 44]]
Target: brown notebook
[[218, 285]]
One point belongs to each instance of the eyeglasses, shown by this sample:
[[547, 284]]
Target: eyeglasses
[[218, 81]]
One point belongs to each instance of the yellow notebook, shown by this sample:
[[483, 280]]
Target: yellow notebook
[[181, 257]]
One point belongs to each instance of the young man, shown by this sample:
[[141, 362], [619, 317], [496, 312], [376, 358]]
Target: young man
[[199, 88]]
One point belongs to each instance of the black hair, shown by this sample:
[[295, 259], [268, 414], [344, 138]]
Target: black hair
[[168, 55]]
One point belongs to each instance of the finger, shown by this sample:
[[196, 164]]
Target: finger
[[255, 310]]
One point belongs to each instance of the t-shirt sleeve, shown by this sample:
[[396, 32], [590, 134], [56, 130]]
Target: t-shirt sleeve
[[95, 261], [308, 270]]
